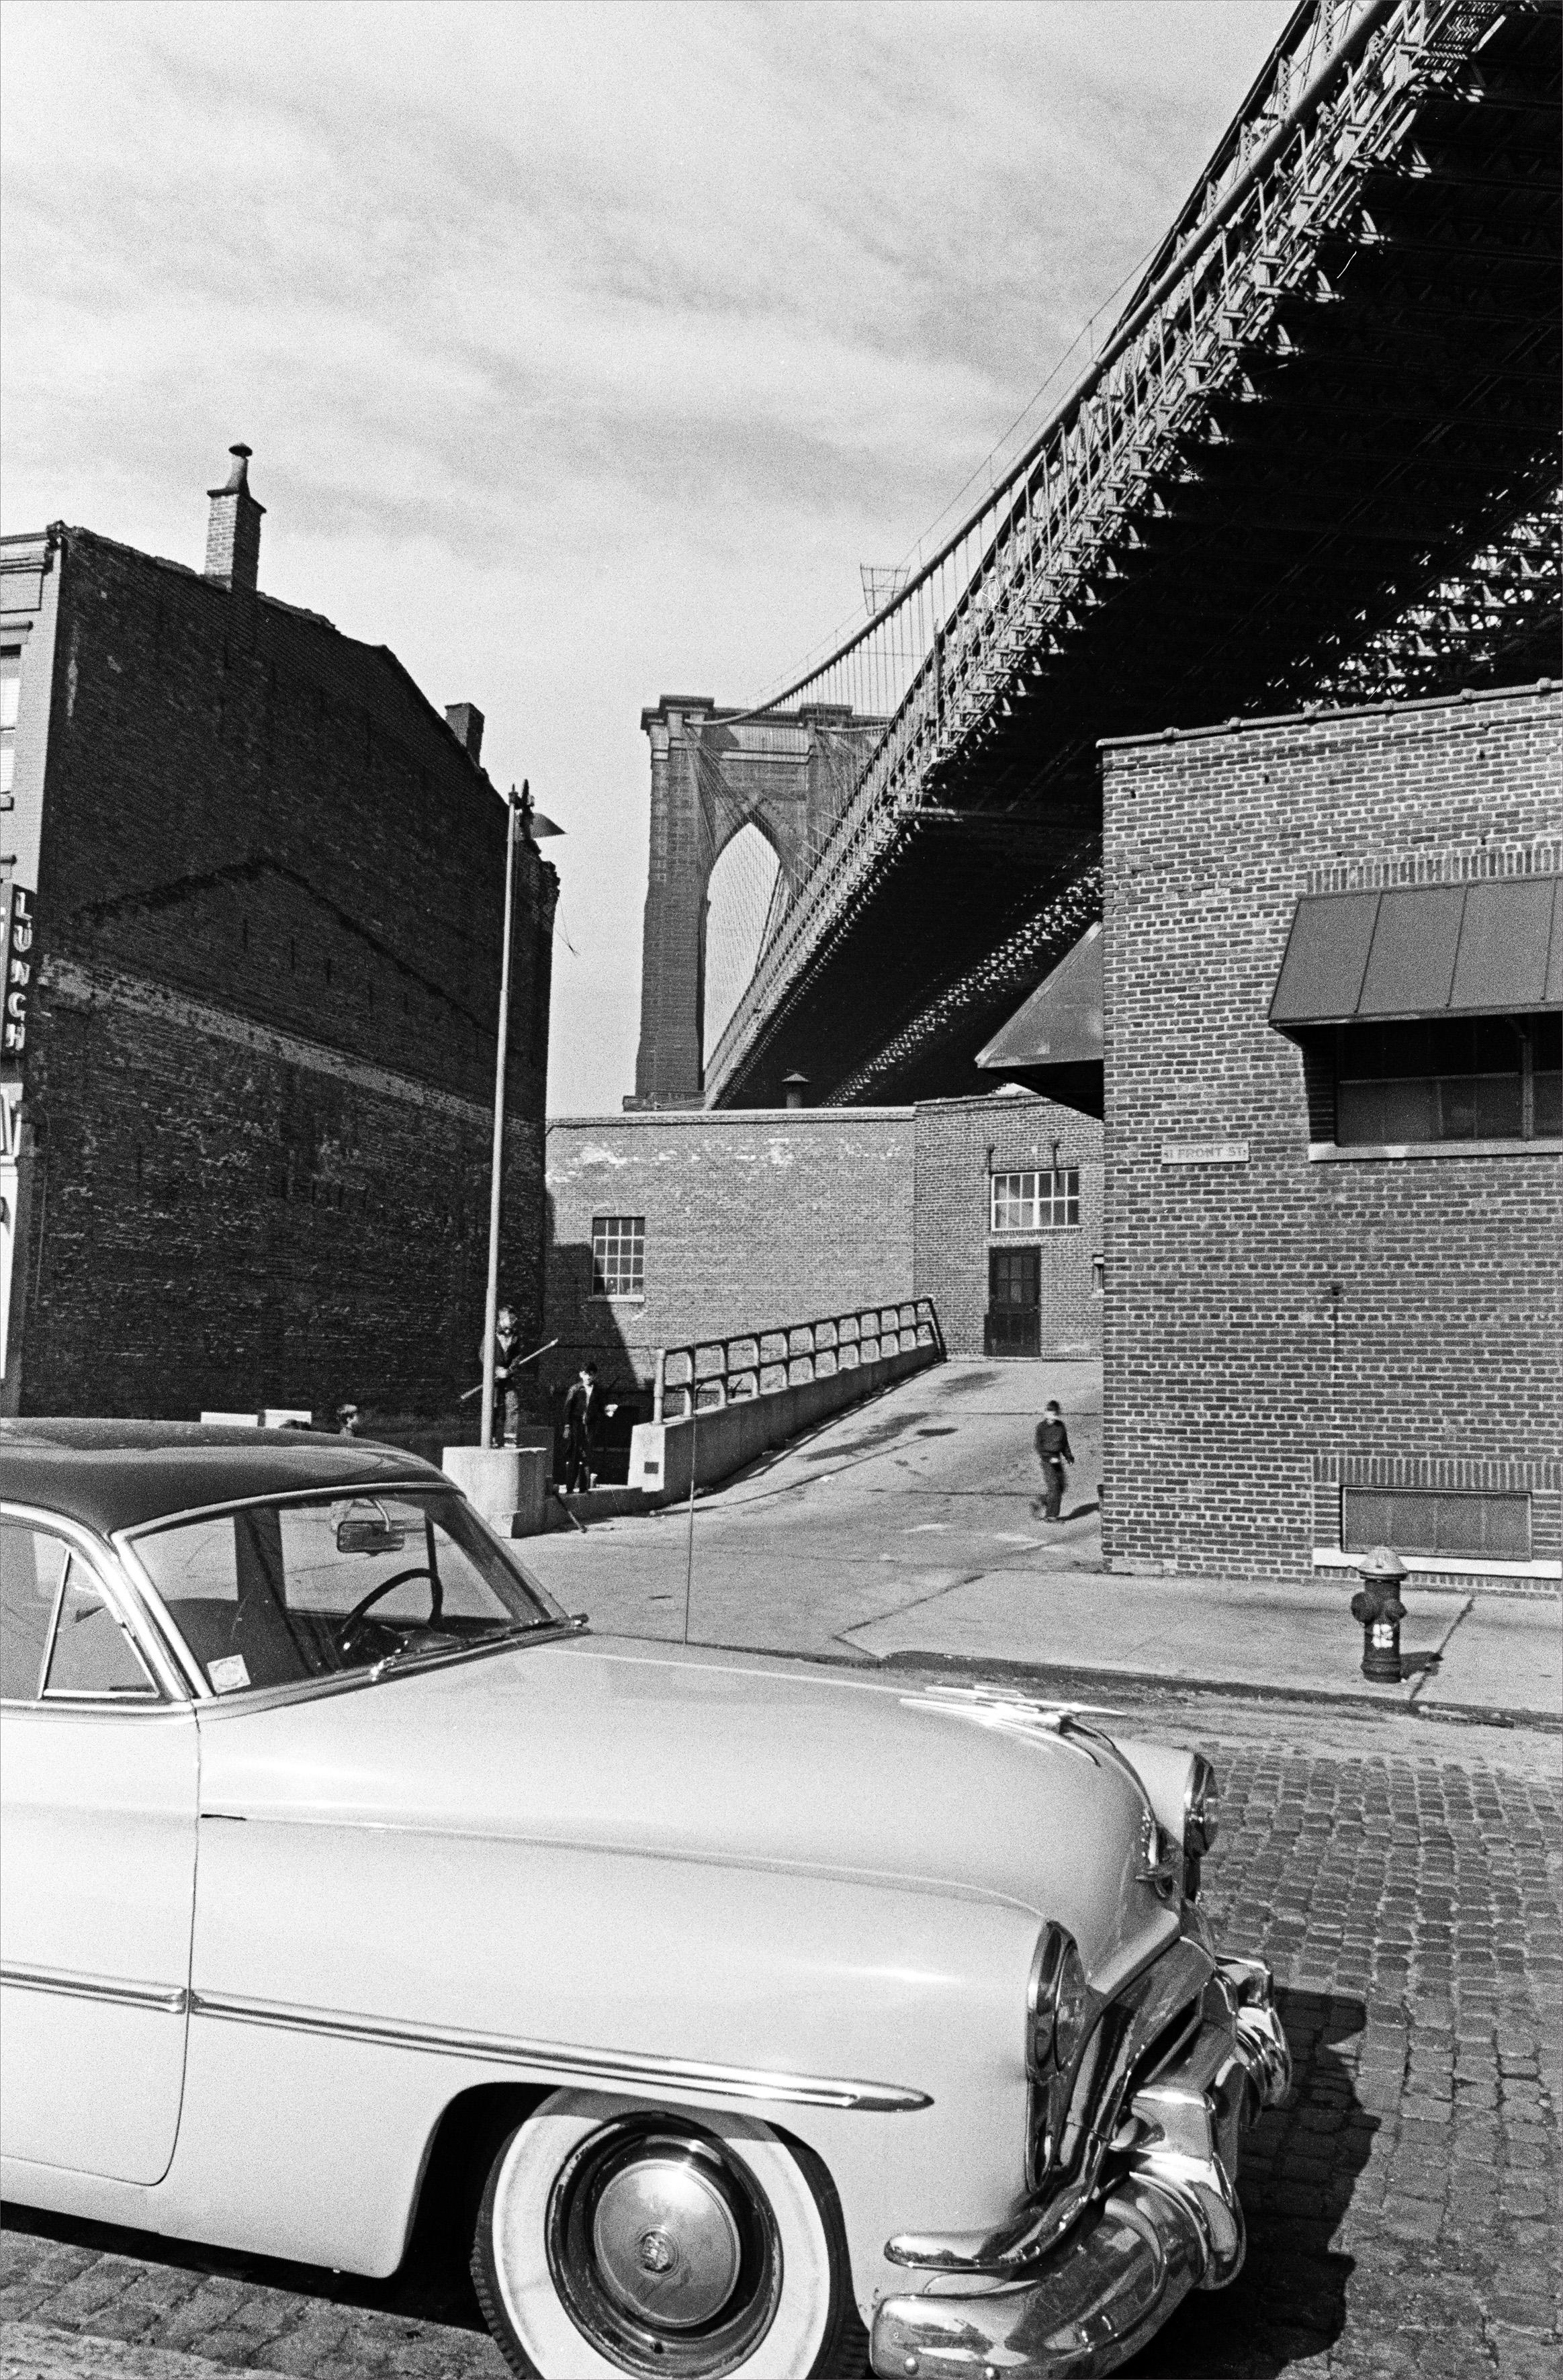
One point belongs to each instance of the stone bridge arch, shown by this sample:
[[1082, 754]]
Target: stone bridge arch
[[713, 772]]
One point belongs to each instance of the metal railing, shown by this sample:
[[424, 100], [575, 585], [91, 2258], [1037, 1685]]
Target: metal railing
[[713, 1372]]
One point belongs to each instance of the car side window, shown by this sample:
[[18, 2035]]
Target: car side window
[[92, 1652], [32, 1566]]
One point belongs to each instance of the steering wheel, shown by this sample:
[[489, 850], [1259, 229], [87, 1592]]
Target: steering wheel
[[342, 1636]]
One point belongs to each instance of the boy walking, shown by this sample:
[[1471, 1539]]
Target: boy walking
[[1053, 1450]]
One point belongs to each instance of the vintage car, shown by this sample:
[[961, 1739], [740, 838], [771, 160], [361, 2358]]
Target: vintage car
[[745, 1998]]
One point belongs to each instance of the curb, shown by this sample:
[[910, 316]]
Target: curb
[[1234, 1689], [1063, 1682]]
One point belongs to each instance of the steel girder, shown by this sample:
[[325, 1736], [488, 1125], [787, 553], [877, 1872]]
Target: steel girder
[[1292, 477]]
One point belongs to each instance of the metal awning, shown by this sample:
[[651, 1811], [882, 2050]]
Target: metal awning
[[1424, 949], [1061, 1025], [1054, 1042]]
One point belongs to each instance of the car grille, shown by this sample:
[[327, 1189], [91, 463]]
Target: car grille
[[1134, 2036]]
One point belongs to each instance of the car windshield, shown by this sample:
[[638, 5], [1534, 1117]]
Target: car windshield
[[283, 1594]]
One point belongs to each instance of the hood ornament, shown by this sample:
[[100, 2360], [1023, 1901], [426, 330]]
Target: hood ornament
[[1013, 1713]]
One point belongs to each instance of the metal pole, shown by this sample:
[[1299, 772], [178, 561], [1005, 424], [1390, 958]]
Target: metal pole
[[689, 1553], [514, 806]]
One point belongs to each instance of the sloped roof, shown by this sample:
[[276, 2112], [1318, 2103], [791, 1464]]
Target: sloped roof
[[1061, 1025]]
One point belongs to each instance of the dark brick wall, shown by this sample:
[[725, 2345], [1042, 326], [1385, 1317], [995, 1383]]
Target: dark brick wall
[[752, 1221], [1286, 1322], [959, 1143], [260, 1062]]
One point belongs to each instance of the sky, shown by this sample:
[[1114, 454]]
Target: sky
[[586, 351]]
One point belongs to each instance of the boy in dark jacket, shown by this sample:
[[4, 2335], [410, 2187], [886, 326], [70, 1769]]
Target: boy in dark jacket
[[1053, 1450]]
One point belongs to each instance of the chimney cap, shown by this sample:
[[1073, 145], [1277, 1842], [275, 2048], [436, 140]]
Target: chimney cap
[[238, 480]]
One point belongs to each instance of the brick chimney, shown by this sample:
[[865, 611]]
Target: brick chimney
[[233, 530], [467, 720]]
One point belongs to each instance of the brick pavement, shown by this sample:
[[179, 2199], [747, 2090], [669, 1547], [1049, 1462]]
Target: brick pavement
[[1402, 2210]]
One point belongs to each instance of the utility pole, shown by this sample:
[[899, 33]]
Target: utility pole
[[516, 804]]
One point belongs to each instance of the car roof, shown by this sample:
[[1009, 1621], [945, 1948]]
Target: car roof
[[116, 1474]]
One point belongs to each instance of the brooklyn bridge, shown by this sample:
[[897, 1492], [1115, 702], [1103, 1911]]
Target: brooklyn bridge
[[1314, 461]]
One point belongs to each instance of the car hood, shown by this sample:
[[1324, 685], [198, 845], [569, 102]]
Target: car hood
[[688, 1753]]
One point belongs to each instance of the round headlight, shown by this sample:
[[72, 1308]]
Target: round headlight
[[1202, 1809], [1058, 2003]]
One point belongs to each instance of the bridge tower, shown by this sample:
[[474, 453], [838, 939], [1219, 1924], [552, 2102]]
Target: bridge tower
[[713, 772]]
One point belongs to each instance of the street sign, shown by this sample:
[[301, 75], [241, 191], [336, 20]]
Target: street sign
[[1205, 1152]]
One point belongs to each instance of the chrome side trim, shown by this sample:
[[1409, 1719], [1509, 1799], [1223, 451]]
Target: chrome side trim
[[169, 1998], [564, 2059]]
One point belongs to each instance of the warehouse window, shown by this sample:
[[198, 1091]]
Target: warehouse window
[[10, 691], [618, 1255], [1037, 1202], [1418, 1521], [1450, 1078]]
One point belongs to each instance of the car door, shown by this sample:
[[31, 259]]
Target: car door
[[98, 1787]]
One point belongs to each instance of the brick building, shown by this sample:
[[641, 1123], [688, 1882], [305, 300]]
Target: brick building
[[1334, 972], [668, 1228], [1008, 1224], [247, 1107]]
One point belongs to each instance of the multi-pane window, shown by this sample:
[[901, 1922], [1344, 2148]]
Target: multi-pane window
[[1448, 1078], [1419, 1521], [618, 1255], [1037, 1202], [10, 690]]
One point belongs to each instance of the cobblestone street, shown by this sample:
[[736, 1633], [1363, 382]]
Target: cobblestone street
[[1402, 1878]]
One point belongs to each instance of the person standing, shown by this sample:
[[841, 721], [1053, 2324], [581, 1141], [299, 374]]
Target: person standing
[[583, 1411], [507, 1381], [1053, 1450]]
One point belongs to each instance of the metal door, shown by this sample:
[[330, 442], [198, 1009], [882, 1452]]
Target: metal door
[[1014, 1302]]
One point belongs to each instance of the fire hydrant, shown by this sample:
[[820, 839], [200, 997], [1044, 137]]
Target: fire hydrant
[[1377, 1605]]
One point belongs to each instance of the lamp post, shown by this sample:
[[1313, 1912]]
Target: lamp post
[[516, 806]]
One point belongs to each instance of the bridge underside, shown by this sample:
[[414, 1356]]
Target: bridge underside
[[1362, 509]]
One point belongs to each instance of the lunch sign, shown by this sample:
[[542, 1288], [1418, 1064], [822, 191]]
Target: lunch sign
[[18, 963]]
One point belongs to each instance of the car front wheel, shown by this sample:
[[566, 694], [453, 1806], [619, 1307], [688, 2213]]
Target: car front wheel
[[613, 2238]]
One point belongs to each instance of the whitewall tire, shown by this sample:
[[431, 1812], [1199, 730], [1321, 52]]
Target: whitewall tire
[[615, 2238]]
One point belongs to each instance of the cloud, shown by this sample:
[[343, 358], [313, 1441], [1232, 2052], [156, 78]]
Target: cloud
[[583, 349]]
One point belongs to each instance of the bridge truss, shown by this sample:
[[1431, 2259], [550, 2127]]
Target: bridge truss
[[1316, 459]]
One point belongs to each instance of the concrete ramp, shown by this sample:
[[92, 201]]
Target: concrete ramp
[[712, 1443]]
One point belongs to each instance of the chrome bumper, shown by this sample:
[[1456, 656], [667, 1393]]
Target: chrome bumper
[[1169, 2224]]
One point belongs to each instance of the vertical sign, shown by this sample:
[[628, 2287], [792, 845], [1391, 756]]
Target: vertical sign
[[17, 964]]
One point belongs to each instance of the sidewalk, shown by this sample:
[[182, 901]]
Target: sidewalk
[[1458, 1653], [910, 1529]]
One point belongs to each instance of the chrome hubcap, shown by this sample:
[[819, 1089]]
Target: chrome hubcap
[[666, 2243], [664, 2249]]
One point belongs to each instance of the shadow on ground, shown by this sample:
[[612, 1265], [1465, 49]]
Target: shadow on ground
[[1301, 2165]]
